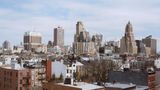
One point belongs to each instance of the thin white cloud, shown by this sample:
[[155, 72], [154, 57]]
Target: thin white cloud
[[4, 12]]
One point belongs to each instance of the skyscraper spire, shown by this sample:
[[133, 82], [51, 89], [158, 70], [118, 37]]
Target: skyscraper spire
[[128, 44], [129, 28]]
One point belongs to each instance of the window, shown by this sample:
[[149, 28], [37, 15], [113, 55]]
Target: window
[[67, 71], [28, 73], [21, 74], [20, 81], [16, 74], [10, 73]]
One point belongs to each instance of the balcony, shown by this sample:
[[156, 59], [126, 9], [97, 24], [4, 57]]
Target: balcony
[[27, 77], [41, 79], [26, 83]]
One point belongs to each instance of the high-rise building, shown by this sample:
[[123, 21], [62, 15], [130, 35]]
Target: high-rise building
[[58, 36], [151, 43], [79, 27], [140, 47], [81, 35], [82, 41], [6, 45], [128, 44], [32, 40], [97, 38]]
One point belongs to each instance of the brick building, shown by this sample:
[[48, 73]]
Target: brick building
[[15, 78]]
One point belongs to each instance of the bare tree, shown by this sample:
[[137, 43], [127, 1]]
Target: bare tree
[[97, 71]]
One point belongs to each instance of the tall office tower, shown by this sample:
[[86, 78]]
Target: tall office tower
[[128, 44], [141, 48], [32, 40], [81, 35], [151, 43], [97, 39], [6, 45], [79, 27], [82, 41], [58, 36], [80, 30]]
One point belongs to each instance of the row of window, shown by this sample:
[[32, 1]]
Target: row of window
[[70, 71]]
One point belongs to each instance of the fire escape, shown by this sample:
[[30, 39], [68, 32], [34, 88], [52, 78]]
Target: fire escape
[[41, 72], [26, 82], [41, 75]]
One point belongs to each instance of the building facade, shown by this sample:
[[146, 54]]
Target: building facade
[[58, 36], [15, 79], [6, 45], [151, 43], [97, 39], [32, 40], [128, 44], [82, 42], [140, 47]]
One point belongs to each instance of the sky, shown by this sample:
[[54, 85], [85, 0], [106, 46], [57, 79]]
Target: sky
[[107, 17]]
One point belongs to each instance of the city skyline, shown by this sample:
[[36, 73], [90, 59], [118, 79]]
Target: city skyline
[[100, 16]]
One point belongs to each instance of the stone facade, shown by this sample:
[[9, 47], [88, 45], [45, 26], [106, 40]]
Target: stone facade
[[32, 40], [128, 44], [82, 42], [152, 44]]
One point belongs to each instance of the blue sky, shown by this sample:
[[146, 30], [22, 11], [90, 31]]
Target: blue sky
[[108, 17]]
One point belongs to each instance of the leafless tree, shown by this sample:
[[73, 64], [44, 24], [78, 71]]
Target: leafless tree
[[97, 71]]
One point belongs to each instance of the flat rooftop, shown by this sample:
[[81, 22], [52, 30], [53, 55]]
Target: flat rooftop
[[14, 68], [119, 85], [83, 86], [142, 88]]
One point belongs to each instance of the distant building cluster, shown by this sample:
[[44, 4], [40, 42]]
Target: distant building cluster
[[89, 63], [146, 46], [83, 44]]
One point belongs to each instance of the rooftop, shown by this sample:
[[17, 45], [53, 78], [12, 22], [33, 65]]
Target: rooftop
[[120, 85], [15, 67], [83, 86], [142, 88], [29, 33]]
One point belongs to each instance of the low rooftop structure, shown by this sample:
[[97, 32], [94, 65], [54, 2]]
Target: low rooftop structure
[[75, 86], [139, 78], [119, 86]]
